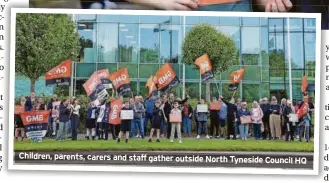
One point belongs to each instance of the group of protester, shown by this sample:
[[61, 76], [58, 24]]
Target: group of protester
[[267, 120]]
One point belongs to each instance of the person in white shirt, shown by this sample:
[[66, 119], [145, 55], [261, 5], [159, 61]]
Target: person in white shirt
[[75, 118], [99, 127]]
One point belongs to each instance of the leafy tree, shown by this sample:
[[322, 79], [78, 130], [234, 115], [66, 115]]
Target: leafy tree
[[42, 42], [204, 38]]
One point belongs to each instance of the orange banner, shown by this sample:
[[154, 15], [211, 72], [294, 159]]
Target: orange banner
[[91, 84], [150, 85], [304, 84], [204, 64], [210, 2], [120, 78], [164, 76], [59, 74], [115, 110], [237, 76], [35, 117], [103, 73], [19, 109]]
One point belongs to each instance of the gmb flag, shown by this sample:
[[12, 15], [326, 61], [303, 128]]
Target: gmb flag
[[236, 77], [95, 89], [120, 81], [151, 86], [304, 85], [205, 67], [115, 110], [166, 78], [35, 124], [59, 75]]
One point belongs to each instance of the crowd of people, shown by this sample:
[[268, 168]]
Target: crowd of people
[[171, 117]]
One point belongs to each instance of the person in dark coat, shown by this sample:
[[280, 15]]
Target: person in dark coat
[[214, 118], [231, 116], [289, 128], [157, 117], [266, 108]]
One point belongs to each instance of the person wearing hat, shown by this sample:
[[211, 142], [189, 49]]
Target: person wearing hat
[[125, 124], [266, 118]]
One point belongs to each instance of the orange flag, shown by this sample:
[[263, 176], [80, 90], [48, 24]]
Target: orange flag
[[59, 75], [205, 66], [150, 85], [210, 2], [237, 76], [166, 78], [121, 80], [304, 84], [19, 109], [115, 110]]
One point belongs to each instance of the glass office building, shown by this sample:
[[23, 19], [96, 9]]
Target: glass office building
[[144, 43]]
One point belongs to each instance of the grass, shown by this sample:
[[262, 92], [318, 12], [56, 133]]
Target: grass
[[187, 145]]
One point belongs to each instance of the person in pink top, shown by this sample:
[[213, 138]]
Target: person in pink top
[[256, 114], [176, 120]]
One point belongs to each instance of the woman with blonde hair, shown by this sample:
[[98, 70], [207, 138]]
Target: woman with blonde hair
[[256, 114], [275, 121]]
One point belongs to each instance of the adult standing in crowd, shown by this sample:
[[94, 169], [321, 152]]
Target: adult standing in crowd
[[19, 126], [187, 114], [289, 128], [41, 106], [243, 112], [75, 118], [282, 106], [64, 117], [231, 116], [138, 114], [266, 108], [51, 107], [91, 121], [30, 102], [256, 114], [214, 117], [222, 117], [202, 120], [275, 122], [149, 105]]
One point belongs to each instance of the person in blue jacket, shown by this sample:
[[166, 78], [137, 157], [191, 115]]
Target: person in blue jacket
[[149, 104]]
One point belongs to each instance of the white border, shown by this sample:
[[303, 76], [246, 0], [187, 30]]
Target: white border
[[12, 166]]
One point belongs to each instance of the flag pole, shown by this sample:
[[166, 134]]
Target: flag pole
[[289, 59], [183, 62]]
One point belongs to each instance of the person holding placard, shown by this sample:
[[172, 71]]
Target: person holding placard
[[125, 123], [202, 112], [243, 119], [91, 121], [175, 118], [157, 117], [19, 126]]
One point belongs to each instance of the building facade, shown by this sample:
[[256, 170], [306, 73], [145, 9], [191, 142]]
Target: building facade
[[144, 43]]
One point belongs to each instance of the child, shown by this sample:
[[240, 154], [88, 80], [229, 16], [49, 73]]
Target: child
[[125, 124], [202, 120], [55, 116], [157, 117], [176, 120], [91, 121]]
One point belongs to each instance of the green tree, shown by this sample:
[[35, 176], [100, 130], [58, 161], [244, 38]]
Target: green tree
[[42, 42], [204, 38]]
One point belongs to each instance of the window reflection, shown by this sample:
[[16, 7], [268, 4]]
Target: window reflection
[[250, 21], [108, 42], [296, 50], [296, 24], [149, 45], [170, 43], [275, 24], [87, 34], [108, 18], [229, 21], [86, 17], [309, 24], [128, 19], [250, 45], [128, 42], [210, 20]]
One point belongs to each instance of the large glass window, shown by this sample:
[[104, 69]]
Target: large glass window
[[310, 54], [295, 24], [150, 19], [128, 19], [276, 54], [108, 42], [250, 21], [309, 24], [108, 18], [296, 50], [229, 20], [87, 32], [234, 33], [210, 20], [86, 17], [149, 43], [275, 24], [170, 39], [250, 45], [128, 42]]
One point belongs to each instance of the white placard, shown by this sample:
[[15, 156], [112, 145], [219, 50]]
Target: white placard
[[127, 114], [202, 108], [293, 117]]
